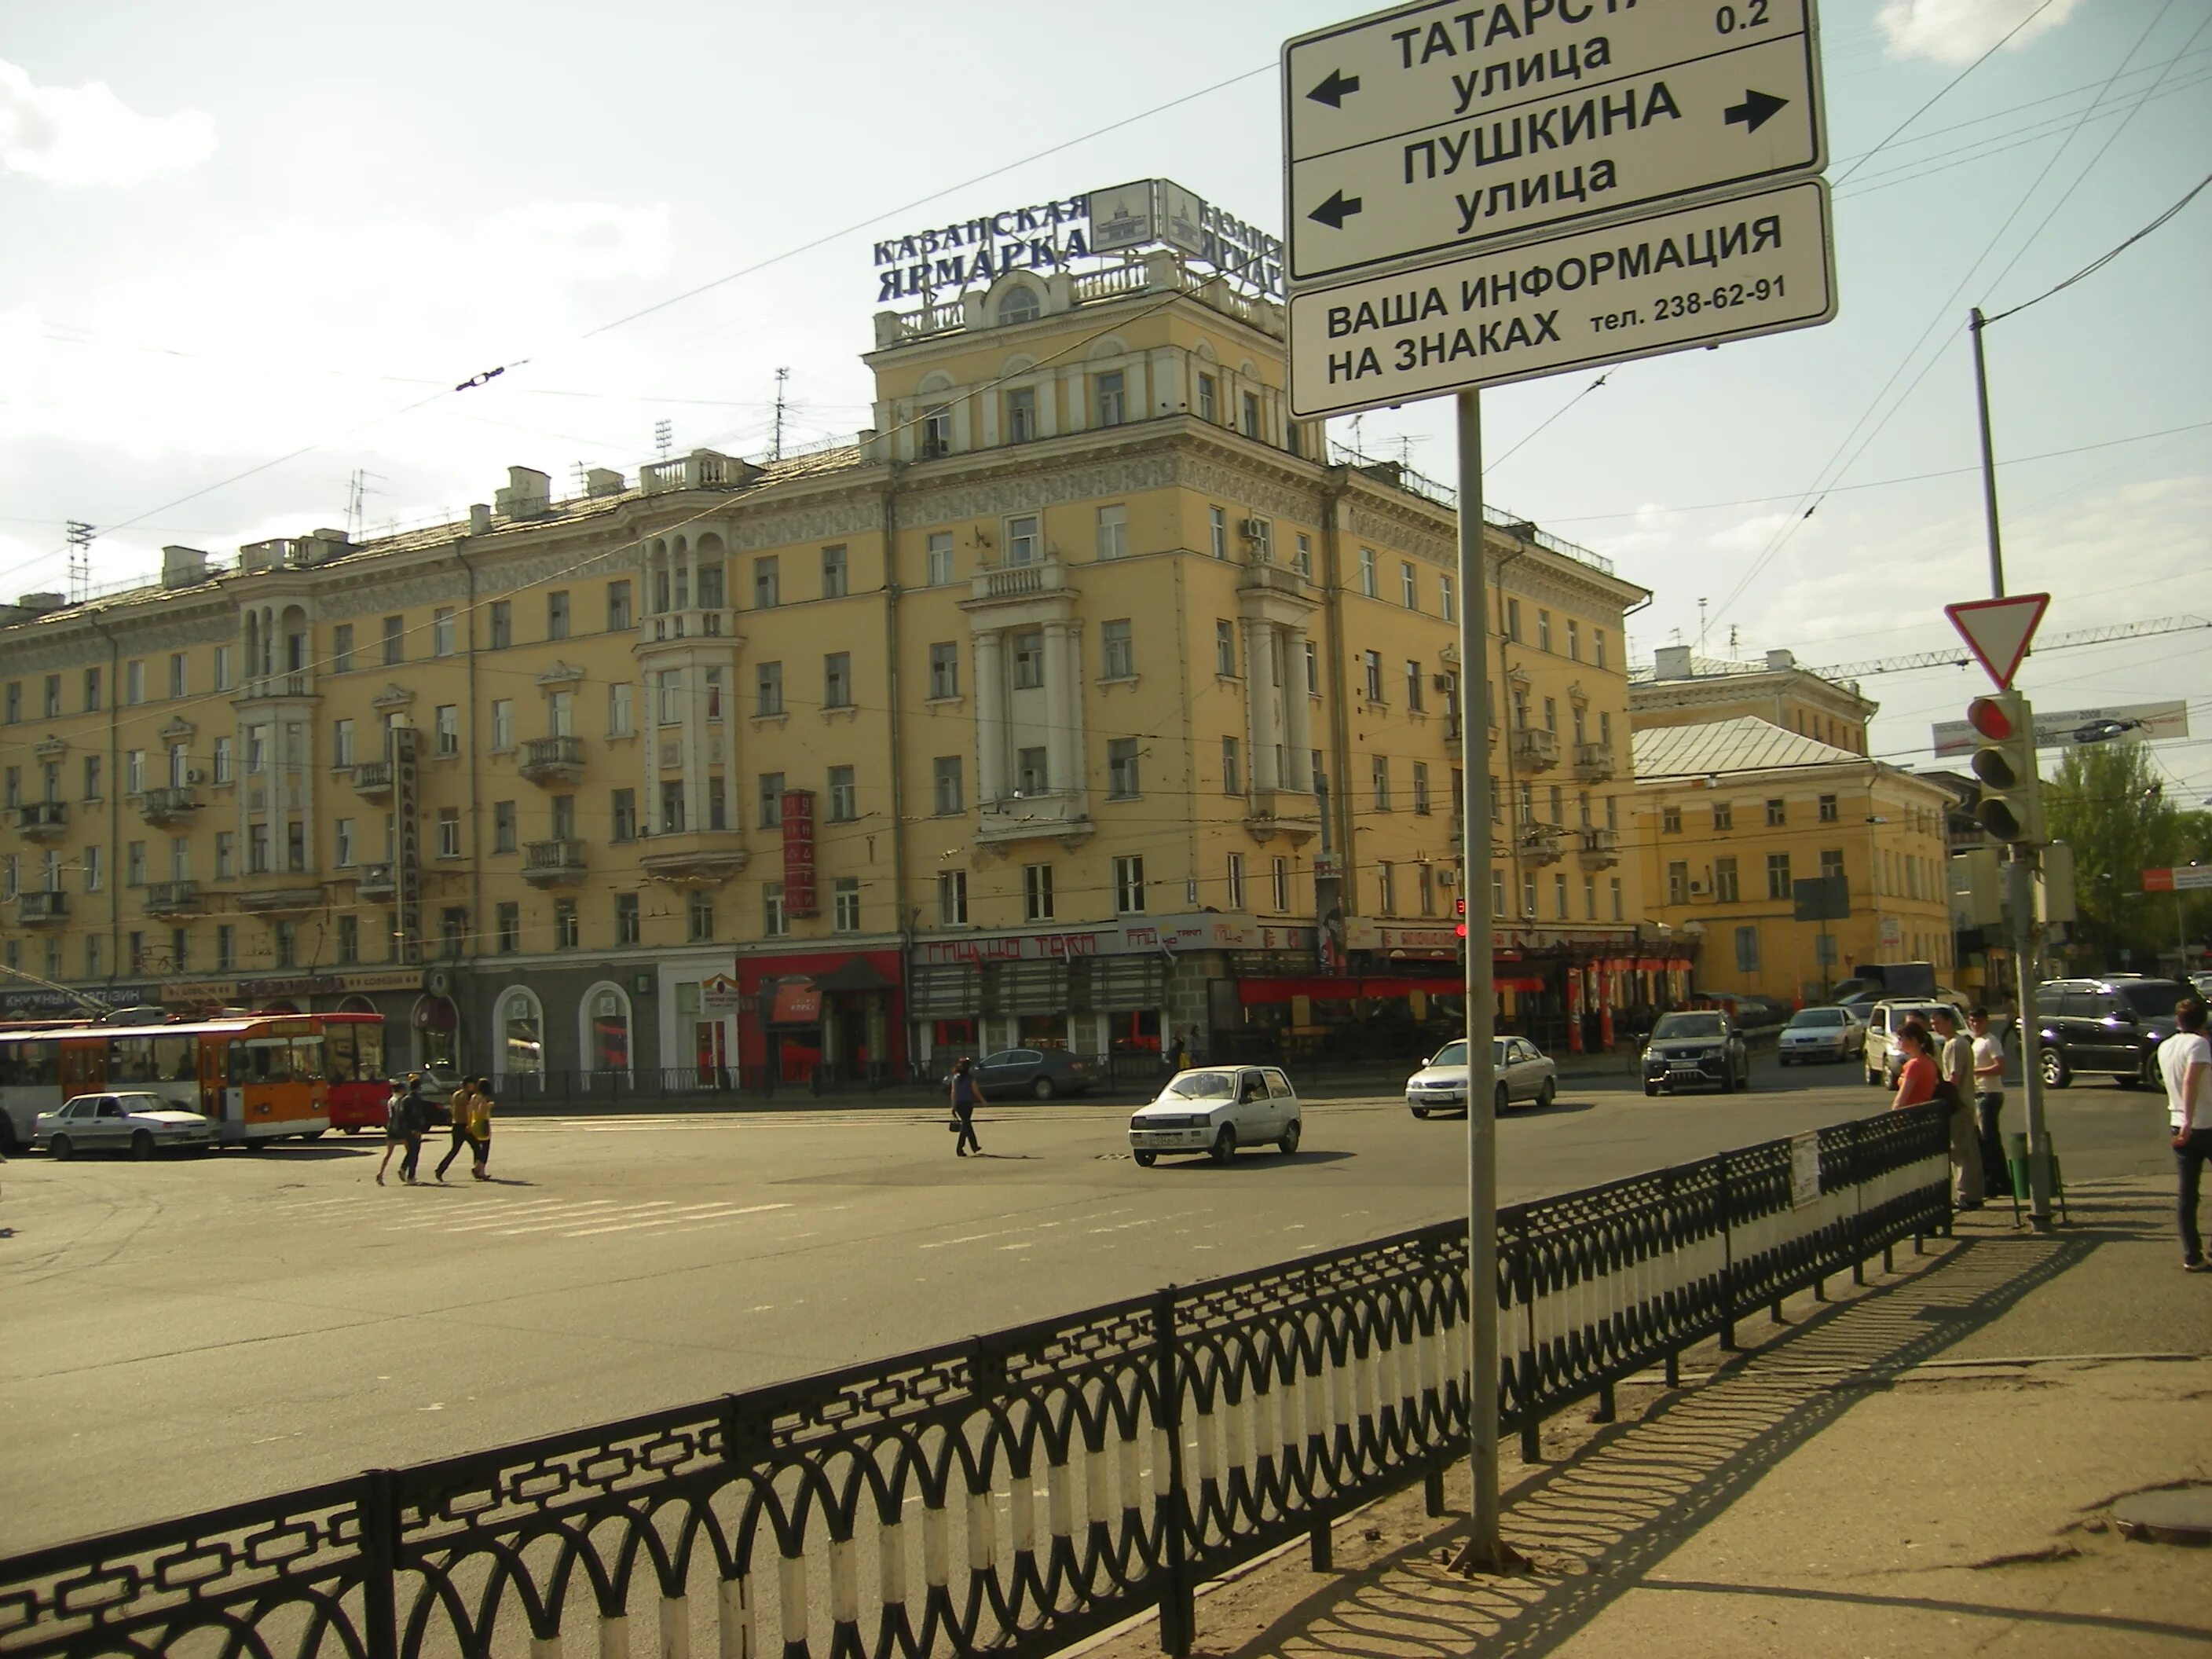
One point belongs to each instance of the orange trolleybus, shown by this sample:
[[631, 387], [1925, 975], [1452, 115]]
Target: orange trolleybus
[[258, 1077]]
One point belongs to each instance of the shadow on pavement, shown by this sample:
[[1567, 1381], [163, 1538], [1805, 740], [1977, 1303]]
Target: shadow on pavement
[[1597, 1524]]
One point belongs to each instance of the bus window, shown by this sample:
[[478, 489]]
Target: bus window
[[342, 1046], [261, 1059], [371, 1039], [131, 1059], [306, 1060], [175, 1059]]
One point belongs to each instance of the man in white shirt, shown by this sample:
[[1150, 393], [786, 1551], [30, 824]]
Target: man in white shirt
[[2184, 1060], [1954, 1058], [1988, 1097]]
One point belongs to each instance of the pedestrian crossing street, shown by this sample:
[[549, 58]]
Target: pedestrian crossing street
[[492, 1213]]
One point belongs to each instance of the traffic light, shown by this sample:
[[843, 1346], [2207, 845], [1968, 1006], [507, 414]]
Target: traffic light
[[2011, 808]]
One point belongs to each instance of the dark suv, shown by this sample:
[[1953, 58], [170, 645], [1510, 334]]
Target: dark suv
[[1699, 1046], [2112, 1024]]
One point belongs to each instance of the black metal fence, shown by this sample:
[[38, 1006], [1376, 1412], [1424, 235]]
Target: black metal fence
[[1012, 1494]]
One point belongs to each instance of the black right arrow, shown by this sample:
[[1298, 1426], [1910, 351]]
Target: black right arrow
[[1755, 111], [1334, 91], [1335, 211]]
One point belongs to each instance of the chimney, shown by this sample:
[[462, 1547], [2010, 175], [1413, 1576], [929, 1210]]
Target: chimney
[[183, 566], [603, 481], [1672, 662], [479, 518], [1779, 661], [528, 494]]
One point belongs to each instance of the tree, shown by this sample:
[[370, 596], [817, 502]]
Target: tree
[[2108, 803]]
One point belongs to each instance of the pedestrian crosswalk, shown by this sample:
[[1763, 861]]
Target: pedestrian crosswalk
[[494, 1214]]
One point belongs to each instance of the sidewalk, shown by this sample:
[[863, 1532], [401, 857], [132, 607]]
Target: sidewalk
[[1924, 1466]]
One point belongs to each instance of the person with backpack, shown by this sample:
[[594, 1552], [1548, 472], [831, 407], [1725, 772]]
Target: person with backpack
[[966, 1095], [395, 1129], [480, 1128], [415, 1110]]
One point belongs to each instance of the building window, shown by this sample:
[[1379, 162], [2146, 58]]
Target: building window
[[1386, 888], [502, 624], [449, 728], [768, 687], [1129, 886], [1025, 542], [226, 948], [952, 898], [936, 432], [1409, 587], [1302, 556], [1370, 663], [1225, 649], [1414, 688], [1116, 653], [441, 631], [833, 572], [945, 776], [1233, 767], [452, 930], [1217, 532], [618, 709], [944, 669], [226, 854], [776, 916], [626, 921], [1747, 949], [1112, 398], [845, 905], [1828, 812], [771, 800], [1367, 572], [768, 582], [134, 683], [1724, 816], [1251, 411], [1037, 892], [256, 851], [506, 928], [1776, 814], [1113, 531], [1028, 660], [1778, 875], [1380, 765], [699, 918], [1208, 406], [1425, 887], [449, 832], [1559, 897], [1831, 861], [1121, 767], [1279, 875], [1574, 640], [1678, 883], [844, 797], [1726, 890], [1030, 772], [1543, 630], [1421, 787], [937, 561], [53, 700], [1513, 620], [1313, 668]]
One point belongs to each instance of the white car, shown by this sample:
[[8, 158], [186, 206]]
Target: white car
[[1880, 1058], [1524, 1073], [1826, 1034], [1216, 1109], [137, 1123]]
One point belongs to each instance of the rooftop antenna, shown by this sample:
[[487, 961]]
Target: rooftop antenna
[[664, 437], [578, 469], [80, 561], [782, 376], [1731, 639], [1701, 625], [357, 489]]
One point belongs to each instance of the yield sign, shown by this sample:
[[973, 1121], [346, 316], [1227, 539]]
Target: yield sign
[[1997, 630]]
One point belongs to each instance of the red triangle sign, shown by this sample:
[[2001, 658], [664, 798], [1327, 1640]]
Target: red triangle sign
[[1997, 630]]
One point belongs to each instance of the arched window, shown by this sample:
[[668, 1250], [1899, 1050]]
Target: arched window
[[605, 1036], [521, 1024], [1019, 304]]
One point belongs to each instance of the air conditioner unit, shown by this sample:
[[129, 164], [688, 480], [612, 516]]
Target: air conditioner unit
[[1442, 682], [1251, 529], [1699, 889], [196, 776], [1449, 878]]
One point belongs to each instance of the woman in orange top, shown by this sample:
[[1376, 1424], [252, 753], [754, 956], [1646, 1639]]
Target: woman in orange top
[[1917, 1077]]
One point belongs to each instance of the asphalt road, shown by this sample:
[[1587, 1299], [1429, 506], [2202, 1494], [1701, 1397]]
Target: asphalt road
[[183, 1333]]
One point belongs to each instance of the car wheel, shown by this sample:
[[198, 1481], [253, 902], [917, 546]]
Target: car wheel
[[1650, 1088], [1146, 1160], [350, 1129], [1224, 1145], [1042, 1089], [1744, 1082], [2127, 1079], [2055, 1072], [142, 1146], [1291, 1136], [1504, 1101], [59, 1149], [1873, 1079], [1548, 1094], [1420, 1111], [1727, 1078]]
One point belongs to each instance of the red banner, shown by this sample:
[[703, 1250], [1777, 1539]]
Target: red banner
[[798, 852]]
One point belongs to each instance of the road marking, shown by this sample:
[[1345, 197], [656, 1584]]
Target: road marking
[[534, 1210], [685, 1214], [571, 1220]]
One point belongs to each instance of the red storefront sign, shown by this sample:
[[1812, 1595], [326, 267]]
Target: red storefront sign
[[798, 852]]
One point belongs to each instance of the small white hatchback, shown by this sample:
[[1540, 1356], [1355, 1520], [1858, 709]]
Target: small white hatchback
[[1216, 1109]]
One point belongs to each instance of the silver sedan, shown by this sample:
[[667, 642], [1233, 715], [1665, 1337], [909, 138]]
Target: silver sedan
[[139, 1124], [1524, 1073]]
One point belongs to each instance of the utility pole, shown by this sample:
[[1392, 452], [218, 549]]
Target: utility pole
[[1975, 324], [664, 437], [782, 376]]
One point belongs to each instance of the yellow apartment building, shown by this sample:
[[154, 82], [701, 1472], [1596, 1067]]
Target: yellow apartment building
[[1085, 699], [1681, 688], [1731, 814]]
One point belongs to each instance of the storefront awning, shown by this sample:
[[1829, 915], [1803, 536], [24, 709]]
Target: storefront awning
[[853, 974], [796, 1002]]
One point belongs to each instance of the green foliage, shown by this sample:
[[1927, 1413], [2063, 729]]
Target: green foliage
[[2107, 802]]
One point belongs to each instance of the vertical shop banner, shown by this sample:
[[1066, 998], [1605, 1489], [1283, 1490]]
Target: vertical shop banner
[[407, 814], [798, 852]]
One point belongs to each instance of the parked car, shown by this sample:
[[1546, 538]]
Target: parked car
[[1828, 1035], [1696, 1046], [1217, 1109], [1040, 1073], [1880, 1056], [1524, 1073], [2111, 1024], [137, 1123]]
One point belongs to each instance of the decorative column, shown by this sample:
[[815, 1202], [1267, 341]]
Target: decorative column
[[1259, 679], [1297, 713], [1063, 769], [990, 716]]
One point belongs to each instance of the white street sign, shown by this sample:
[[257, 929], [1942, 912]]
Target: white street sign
[[1442, 127], [2140, 722], [1725, 270], [1997, 630]]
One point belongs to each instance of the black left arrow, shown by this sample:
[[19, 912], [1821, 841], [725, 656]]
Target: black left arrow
[[1335, 211], [1756, 110], [1334, 90]]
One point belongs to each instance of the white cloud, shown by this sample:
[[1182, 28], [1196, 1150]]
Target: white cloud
[[1960, 31], [88, 135]]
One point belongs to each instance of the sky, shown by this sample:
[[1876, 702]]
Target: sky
[[250, 249]]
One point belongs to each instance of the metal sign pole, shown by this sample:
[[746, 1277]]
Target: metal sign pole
[[1485, 1550]]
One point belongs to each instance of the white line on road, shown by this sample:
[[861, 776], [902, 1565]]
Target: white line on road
[[685, 1214]]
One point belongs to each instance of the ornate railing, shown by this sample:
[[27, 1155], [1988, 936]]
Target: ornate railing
[[1012, 1494]]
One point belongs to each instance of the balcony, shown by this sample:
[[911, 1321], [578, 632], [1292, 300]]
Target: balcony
[[42, 820], [262, 687], [1593, 763], [1536, 750], [553, 760], [693, 858], [553, 863], [1541, 844], [41, 909], [1061, 816], [274, 894], [372, 779], [1600, 848], [174, 804], [1044, 578], [375, 881], [173, 898], [1292, 812]]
